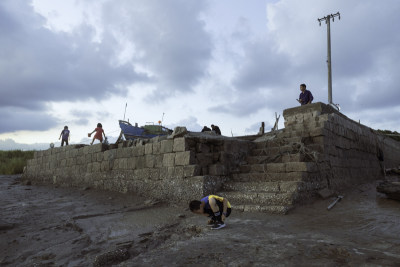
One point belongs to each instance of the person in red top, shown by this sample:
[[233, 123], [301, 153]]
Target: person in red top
[[99, 133]]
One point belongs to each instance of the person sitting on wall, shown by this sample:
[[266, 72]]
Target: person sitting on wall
[[262, 129], [305, 96], [206, 129], [216, 129], [216, 207]]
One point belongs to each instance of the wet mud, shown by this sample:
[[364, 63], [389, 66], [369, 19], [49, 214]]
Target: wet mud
[[50, 226]]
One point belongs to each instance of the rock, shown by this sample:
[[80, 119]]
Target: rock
[[151, 202], [111, 258], [325, 193], [6, 226], [391, 189], [178, 132], [26, 182]]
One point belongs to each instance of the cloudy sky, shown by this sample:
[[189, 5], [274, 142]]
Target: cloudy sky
[[233, 63]]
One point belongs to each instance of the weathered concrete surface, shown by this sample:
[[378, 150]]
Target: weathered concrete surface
[[54, 226]]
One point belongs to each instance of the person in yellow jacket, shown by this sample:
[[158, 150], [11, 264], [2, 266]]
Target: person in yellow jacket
[[216, 207]]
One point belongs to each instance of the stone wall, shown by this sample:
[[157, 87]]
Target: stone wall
[[176, 169], [346, 152], [318, 148]]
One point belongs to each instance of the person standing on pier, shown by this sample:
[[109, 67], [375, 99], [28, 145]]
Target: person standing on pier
[[99, 133], [305, 96], [65, 136]]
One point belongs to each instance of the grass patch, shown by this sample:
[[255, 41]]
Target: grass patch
[[394, 135], [14, 161]]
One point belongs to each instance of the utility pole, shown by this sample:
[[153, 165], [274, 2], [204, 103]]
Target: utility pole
[[327, 20]]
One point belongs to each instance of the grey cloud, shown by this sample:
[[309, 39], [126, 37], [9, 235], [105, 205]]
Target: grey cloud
[[262, 67], [16, 119], [190, 123], [38, 65], [169, 40], [10, 144], [365, 59], [81, 122], [246, 104]]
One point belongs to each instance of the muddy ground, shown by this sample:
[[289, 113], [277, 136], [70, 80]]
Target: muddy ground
[[49, 226]]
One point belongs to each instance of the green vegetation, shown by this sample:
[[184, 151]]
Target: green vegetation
[[394, 135], [14, 161]]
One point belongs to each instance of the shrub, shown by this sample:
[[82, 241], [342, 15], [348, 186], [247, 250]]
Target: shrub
[[14, 161]]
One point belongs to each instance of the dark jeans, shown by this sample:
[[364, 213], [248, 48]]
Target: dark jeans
[[66, 142]]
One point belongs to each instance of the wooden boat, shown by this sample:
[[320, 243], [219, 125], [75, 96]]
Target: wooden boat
[[131, 132]]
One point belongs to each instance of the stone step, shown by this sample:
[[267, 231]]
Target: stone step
[[270, 151], [315, 147], [263, 159], [280, 158], [278, 142], [279, 167], [271, 176], [296, 157], [258, 198], [261, 208], [268, 187]]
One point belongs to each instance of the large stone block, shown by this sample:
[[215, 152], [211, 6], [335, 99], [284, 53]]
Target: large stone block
[[116, 164], [80, 160], [300, 167], [150, 161], [167, 146], [153, 173], [184, 158], [204, 159], [123, 164], [138, 151], [191, 170], [71, 162], [131, 163], [148, 149], [140, 162], [217, 170], [96, 166], [141, 174], [169, 160], [158, 160], [88, 158], [180, 144], [178, 172], [99, 156], [156, 148], [120, 153], [276, 167], [110, 154], [202, 148], [89, 168], [105, 166], [63, 163], [97, 148]]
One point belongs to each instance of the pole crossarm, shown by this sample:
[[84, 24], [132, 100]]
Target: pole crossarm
[[328, 17]]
